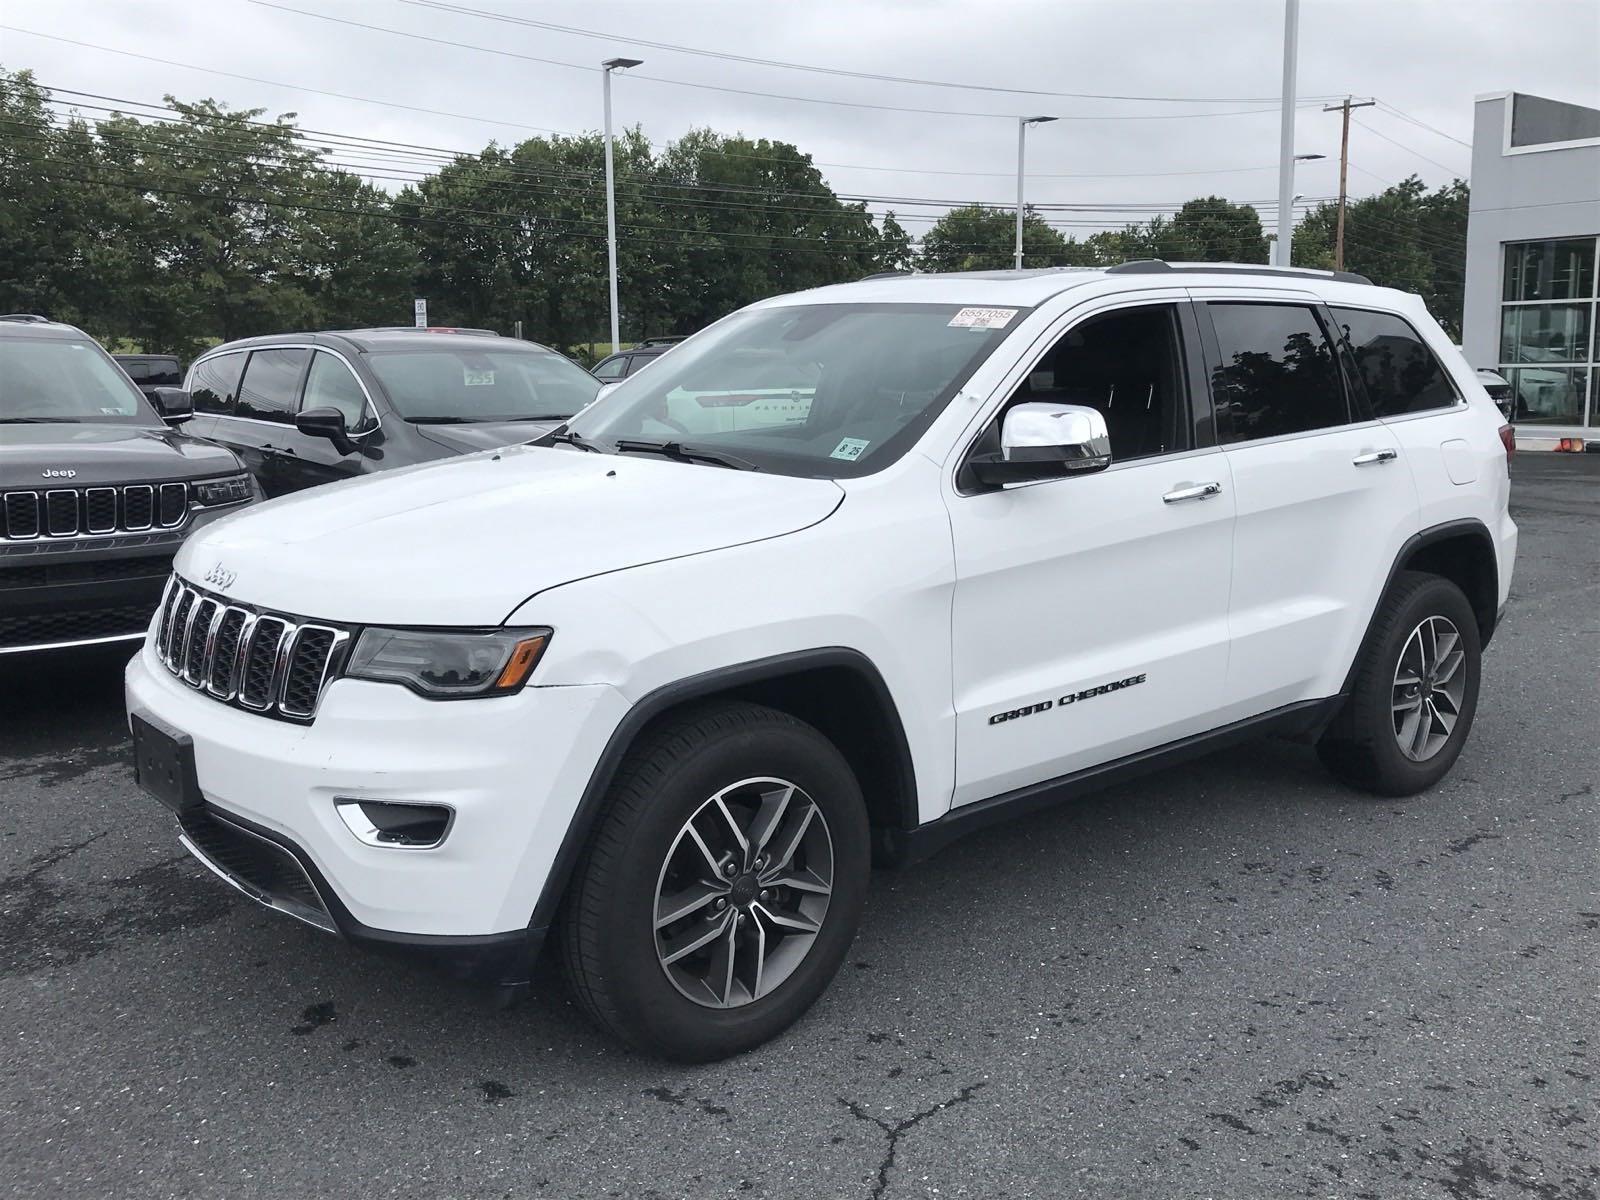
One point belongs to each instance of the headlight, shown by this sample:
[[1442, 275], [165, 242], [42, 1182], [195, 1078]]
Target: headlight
[[447, 665], [232, 490]]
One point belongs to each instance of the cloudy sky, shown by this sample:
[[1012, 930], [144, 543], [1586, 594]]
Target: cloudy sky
[[1425, 59]]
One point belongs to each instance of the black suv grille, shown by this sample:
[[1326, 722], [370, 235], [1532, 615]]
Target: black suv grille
[[266, 663], [80, 512]]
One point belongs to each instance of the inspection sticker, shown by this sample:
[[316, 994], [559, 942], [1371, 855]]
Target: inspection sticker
[[475, 378], [983, 318], [850, 449]]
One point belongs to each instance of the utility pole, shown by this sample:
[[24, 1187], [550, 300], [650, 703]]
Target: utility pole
[[1344, 170], [1291, 42]]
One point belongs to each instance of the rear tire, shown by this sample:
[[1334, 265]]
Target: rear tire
[[751, 824], [1415, 691]]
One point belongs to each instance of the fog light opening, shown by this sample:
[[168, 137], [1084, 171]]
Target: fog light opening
[[394, 824]]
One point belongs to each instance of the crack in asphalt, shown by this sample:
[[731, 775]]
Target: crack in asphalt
[[895, 1132]]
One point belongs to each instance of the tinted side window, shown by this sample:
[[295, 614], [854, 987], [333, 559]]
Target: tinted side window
[[1400, 373], [612, 368], [164, 372], [137, 371], [1277, 373], [331, 385], [1128, 365], [271, 385], [215, 383]]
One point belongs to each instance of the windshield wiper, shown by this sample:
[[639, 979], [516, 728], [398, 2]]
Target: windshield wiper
[[684, 453], [565, 437], [438, 421], [38, 420]]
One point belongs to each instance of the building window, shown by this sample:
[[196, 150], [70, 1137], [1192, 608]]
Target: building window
[[1548, 345]]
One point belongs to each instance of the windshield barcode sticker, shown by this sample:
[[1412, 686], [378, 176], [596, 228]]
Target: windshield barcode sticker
[[475, 378], [850, 449], [982, 318]]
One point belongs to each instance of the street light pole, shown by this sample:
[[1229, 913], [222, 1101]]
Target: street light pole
[[1022, 146], [1291, 38], [612, 64]]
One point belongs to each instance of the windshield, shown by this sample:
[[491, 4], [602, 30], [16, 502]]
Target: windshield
[[50, 379], [456, 383], [830, 390]]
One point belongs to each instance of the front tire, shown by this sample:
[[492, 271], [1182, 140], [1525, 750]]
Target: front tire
[[1415, 691], [723, 886]]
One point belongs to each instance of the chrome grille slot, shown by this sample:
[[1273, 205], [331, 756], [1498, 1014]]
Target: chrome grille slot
[[174, 504], [202, 623], [138, 506], [269, 664], [61, 513], [231, 629], [100, 509], [22, 514]]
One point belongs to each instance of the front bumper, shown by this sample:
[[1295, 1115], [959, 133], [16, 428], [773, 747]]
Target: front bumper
[[56, 593], [512, 769]]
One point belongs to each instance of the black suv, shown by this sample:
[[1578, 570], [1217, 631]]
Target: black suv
[[307, 408], [97, 490], [151, 371], [623, 363]]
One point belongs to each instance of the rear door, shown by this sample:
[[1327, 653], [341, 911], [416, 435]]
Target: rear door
[[1322, 496], [309, 461], [262, 421]]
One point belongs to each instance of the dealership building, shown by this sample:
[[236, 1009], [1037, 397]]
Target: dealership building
[[1533, 270]]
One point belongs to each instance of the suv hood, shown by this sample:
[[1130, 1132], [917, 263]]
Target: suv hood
[[104, 454], [485, 435], [466, 540]]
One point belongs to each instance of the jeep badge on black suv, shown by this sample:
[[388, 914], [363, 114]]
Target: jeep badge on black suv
[[97, 490]]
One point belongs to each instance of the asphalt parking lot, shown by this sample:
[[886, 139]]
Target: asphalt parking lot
[[1236, 979]]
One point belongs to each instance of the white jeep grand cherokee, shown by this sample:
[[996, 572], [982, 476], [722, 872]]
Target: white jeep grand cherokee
[[846, 575]]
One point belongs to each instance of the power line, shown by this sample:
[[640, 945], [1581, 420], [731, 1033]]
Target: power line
[[1420, 124], [1406, 148], [713, 87], [727, 56]]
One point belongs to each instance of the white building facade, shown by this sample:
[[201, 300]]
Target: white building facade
[[1533, 260]]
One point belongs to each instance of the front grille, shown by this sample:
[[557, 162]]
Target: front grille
[[49, 629], [83, 512], [263, 662], [257, 866]]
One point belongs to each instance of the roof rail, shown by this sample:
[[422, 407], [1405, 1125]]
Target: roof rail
[[884, 275], [26, 318], [1157, 266], [666, 339]]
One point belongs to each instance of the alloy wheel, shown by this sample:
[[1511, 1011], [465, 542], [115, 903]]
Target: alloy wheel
[[743, 892], [1430, 683]]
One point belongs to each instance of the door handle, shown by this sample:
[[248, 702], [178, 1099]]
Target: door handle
[[1375, 456], [1192, 491]]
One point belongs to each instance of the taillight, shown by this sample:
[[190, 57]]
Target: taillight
[[1508, 439]]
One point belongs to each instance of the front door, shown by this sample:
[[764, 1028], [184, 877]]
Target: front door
[[307, 460], [1324, 497], [1090, 612]]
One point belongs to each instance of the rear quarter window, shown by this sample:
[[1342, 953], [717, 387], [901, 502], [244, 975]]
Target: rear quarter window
[[1398, 371]]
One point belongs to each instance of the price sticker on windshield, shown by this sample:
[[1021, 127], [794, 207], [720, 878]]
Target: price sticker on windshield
[[472, 377], [982, 318]]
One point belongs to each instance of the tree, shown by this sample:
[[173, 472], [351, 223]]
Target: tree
[[976, 238], [1404, 237]]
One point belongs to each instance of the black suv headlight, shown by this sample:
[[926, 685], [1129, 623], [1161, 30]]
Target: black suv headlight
[[211, 492], [449, 664]]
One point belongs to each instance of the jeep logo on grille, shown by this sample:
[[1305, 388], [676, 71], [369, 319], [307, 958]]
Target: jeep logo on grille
[[59, 473], [220, 577]]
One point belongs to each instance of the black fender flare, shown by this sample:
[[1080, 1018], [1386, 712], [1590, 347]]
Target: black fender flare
[[710, 683], [1449, 530]]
